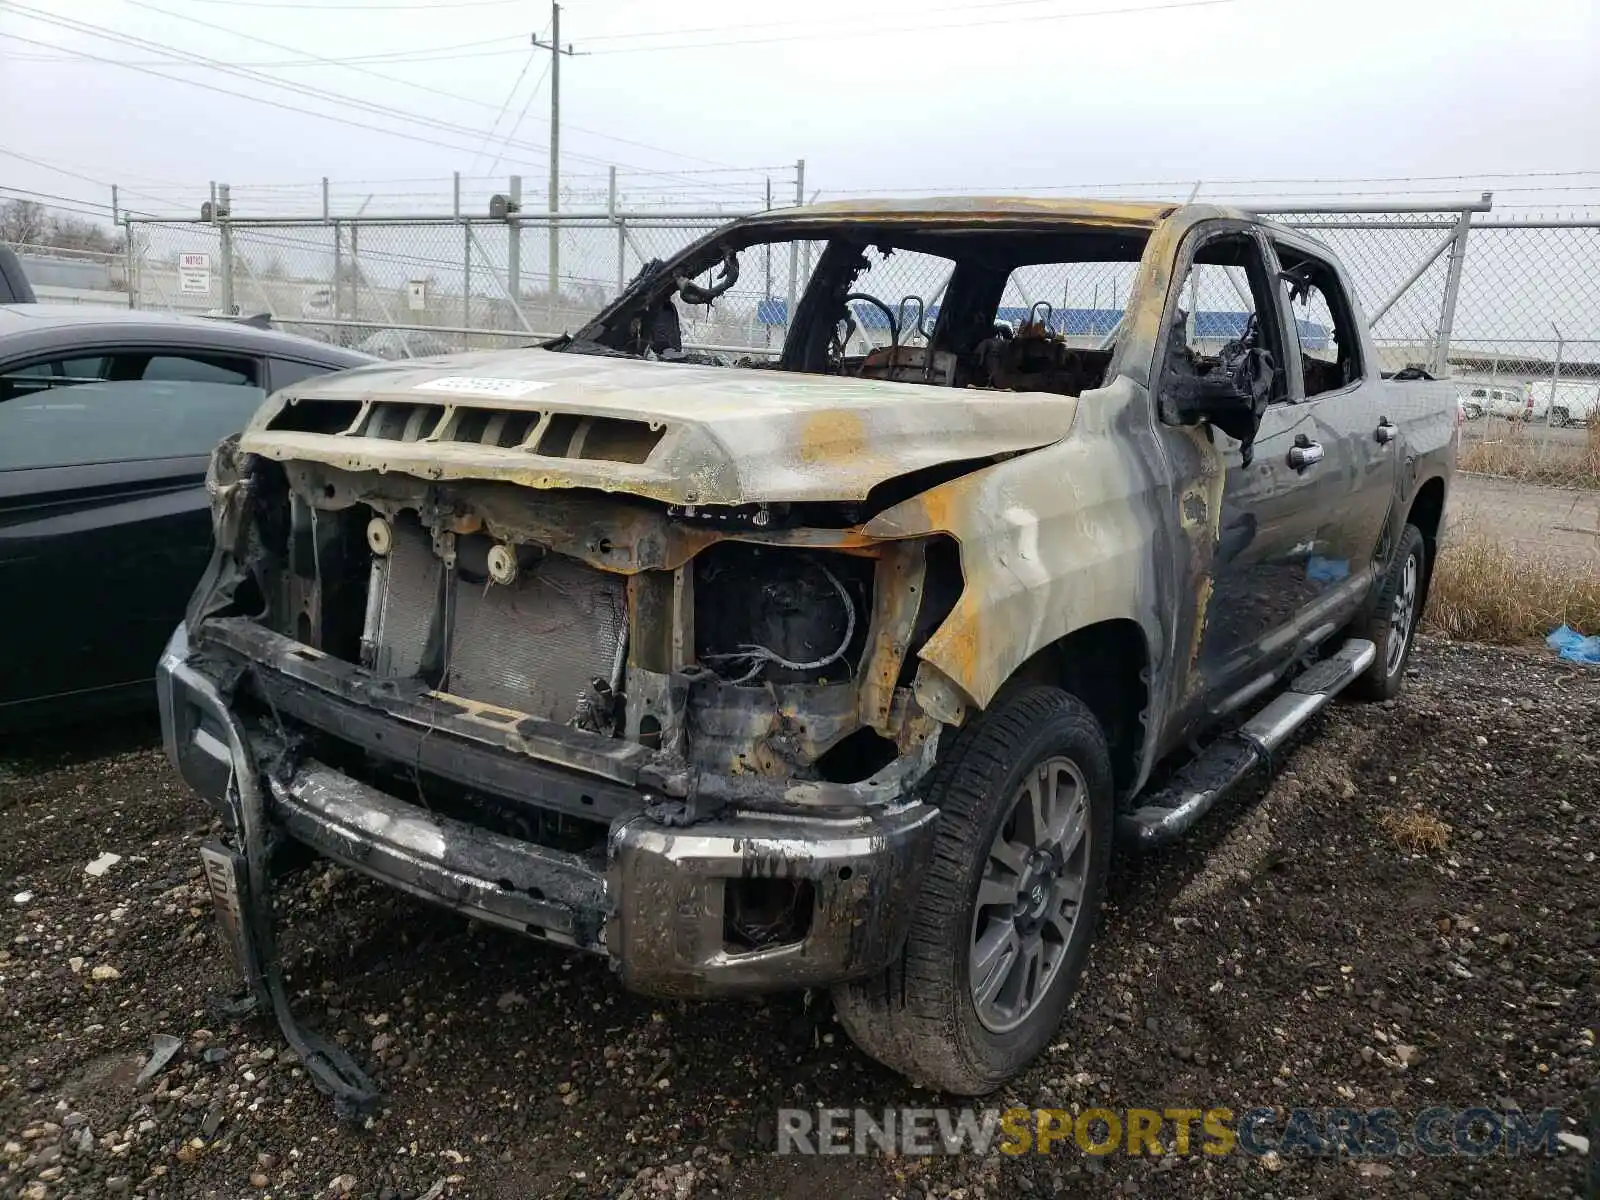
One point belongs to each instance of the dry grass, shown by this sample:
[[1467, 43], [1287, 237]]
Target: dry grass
[[1516, 454], [1483, 591], [1415, 830]]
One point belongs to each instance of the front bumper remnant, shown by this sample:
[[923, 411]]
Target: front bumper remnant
[[663, 902]]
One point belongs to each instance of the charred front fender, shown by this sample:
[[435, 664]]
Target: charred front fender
[[1078, 533]]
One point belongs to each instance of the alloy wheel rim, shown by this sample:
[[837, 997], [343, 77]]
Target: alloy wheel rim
[[1402, 614], [1030, 894]]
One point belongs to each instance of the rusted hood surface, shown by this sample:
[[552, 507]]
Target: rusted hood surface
[[706, 435]]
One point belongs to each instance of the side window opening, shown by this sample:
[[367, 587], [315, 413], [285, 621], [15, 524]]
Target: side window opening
[[1223, 351], [1224, 302], [202, 368], [122, 406], [1055, 325], [887, 326], [288, 371], [1321, 318], [744, 300]]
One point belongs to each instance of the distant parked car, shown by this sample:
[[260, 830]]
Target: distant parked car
[[1497, 401], [405, 343], [107, 420], [1575, 402]]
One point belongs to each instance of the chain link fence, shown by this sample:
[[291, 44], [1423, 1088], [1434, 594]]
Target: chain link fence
[[1509, 308]]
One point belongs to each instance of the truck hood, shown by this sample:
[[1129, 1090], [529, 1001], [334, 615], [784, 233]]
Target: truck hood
[[677, 433]]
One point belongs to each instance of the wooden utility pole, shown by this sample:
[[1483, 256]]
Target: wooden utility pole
[[556, 51]]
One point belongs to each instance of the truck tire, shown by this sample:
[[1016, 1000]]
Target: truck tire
[[1560, 418], [1010, 901], [1391, 623]]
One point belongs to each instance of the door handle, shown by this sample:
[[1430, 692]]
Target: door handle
[[1304, 453], [1386, 432]]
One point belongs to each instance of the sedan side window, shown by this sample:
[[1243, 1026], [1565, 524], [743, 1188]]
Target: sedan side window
[[286, 371], [202, 368], [122, 406]]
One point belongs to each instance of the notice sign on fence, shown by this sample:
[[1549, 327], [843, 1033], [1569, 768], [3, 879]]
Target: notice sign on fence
[[417, 295], [194, 273]]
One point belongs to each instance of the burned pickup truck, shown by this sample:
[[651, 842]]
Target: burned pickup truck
[[837, 660]]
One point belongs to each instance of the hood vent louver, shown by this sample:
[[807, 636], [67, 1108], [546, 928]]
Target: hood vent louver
[[553, 435]]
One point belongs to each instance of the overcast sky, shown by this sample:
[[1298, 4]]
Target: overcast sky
[[1014, 94]]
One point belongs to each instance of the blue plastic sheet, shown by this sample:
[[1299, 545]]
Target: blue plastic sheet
[[1574, 647], [1327, 570]]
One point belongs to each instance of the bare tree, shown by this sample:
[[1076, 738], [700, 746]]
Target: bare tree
[[23, 221], [76, 233]]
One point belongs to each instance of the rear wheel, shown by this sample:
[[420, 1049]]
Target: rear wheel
[[1009, 906], [1392, 621]]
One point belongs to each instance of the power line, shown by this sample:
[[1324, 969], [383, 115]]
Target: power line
[[352, 64], [904, 30], [433, 54], [272, 81], [318, 5], [411, 83], [39, 162], [526, 104], [506, 104], [323, 94], [294, 108], [83, 208], [917, 14], [349, 66]]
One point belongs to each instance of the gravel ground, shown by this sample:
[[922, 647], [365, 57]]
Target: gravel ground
[[1293, 952]]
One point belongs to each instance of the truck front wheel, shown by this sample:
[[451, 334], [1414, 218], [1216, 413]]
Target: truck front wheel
[[1009, 906]]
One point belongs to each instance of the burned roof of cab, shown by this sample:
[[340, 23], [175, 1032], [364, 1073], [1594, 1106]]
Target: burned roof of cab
[[1132, 214]]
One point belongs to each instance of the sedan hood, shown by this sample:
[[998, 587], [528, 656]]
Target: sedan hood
[[677, 433]]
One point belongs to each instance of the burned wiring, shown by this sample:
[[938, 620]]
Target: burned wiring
[[760, 657]]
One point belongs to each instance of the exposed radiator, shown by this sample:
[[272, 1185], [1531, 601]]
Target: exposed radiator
[[536, 644], [409, 578]]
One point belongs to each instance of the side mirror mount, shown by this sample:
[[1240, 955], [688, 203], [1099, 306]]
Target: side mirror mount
[[1230, 392]]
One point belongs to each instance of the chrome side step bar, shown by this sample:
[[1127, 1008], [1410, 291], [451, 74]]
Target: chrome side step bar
[[1172, 810]]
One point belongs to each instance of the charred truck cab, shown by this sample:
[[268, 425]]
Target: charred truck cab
[[838, 665]]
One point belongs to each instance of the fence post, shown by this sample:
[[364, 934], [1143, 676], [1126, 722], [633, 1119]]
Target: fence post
[[622, 233], [1452, 289], [225, 246], [1555, 372], [514, 240], [355, 271], [338, 271], [466, 278], [130, 270], [324, 197], [794, 250]]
